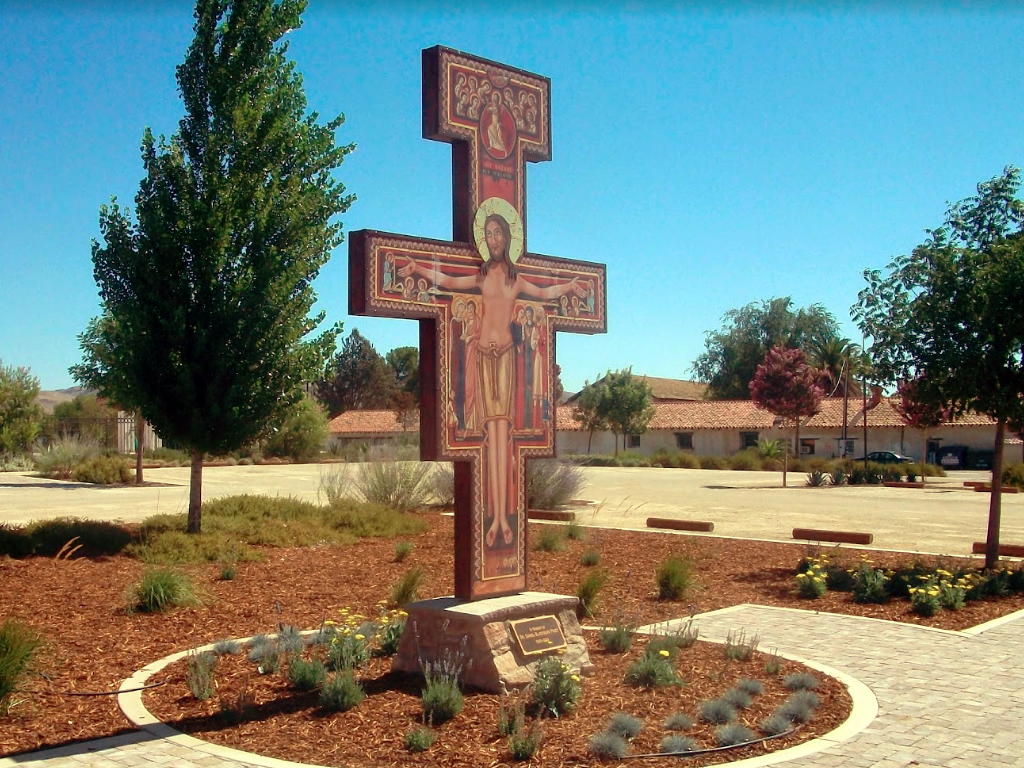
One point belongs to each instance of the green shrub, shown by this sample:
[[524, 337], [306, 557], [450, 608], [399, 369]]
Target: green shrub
[[19, 646], [511, 716], [625, 725], [442, 483], [652, 670], [389, 636], [402, 485], [838, 476], [340, 692], [61, 457], [406, 590], [773, 665], [199, 669], [679, 721], [869, 584], [799, 708], [549, 538], [717, 711], [607, 746], [675, 577], [441, 698], [746, 460], [739, 646], [924, 600], [306, 675], [13, 541], [1013, 474], [838, 579], [552, 483], [590, 558], [419, 739], [555, 690], [93, 538], [574, 531], [161, 589], [678, 745], [733, 734], [300, 435], [104, 470], [588, 592], [617, 638], [523, 742], [714, 462]]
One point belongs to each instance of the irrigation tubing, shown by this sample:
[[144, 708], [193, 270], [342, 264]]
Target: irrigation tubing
[[710, 750]]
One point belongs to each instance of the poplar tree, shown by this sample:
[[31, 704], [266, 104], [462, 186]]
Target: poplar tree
[[208, 288]]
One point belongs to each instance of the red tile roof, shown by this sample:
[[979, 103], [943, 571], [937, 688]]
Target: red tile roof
[[745, 415], [358, 423]]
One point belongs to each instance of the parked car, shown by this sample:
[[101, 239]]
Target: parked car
[[887, 457]]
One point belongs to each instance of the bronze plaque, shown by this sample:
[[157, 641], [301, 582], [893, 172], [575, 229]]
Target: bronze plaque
[[538, 635]]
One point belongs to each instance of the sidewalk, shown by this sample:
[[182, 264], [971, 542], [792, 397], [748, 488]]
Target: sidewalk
[[944, 699]]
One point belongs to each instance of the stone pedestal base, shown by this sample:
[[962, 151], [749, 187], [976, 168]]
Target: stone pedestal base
[[492, 658]]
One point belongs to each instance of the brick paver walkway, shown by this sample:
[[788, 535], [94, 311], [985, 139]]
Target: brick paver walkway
[[950, 699]]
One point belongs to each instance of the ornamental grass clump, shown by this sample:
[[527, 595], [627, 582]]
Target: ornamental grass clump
[[161, 589], [406, 589], [799, 708], [678, 721], [549, 539], [588, 592], [678, 745], [265, 653], [801, 681], [739, 647], [523, 742], [732, 734], [738, 698], [625, 725], [652, 670], [590, 558], [675, 577], [717, 711], [199, 669], [775, 724], [751, 686], [607, 746], [400, 485], [556, 689], [19, 646]]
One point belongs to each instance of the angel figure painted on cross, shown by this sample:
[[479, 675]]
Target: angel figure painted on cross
[[499, 285]]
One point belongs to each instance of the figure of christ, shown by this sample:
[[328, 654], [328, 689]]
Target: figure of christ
[[529, 360], [499, 285]]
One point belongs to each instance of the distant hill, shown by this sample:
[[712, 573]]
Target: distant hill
[[49, 398]]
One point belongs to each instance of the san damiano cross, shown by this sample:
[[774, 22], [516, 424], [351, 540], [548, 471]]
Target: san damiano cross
[[488, 309]]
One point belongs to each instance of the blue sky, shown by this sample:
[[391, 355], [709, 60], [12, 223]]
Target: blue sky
[[710, 155]]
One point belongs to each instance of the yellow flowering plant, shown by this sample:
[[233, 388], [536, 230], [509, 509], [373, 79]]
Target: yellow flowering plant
[[810, 581]]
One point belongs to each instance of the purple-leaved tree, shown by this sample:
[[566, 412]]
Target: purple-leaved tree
[[787, 386]]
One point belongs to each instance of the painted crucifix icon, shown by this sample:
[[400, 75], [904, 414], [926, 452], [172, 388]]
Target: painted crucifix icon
[[488, 309]]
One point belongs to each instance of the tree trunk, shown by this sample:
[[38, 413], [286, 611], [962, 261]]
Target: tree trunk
[[785, 461], [140, 432], [995, 500], [590, 440], [195, 493], [616, 443], [924, 457]]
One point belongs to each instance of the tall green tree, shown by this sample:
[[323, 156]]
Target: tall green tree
[[404, 363], [785, 385], [948, 317], [356, 378], [210, 289], [618, 401], [733, 352], [21, 417]]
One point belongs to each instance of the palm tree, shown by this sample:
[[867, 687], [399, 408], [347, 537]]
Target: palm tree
[[837, 359]]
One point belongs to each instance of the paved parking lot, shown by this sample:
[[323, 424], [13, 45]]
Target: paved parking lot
[[944, 518]]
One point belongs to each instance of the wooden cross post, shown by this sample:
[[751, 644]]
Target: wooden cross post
[[488, 309]]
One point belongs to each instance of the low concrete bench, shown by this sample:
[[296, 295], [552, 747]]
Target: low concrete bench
[[1005, 550]]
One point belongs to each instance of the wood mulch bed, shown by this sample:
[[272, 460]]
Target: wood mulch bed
[[93, 644]]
